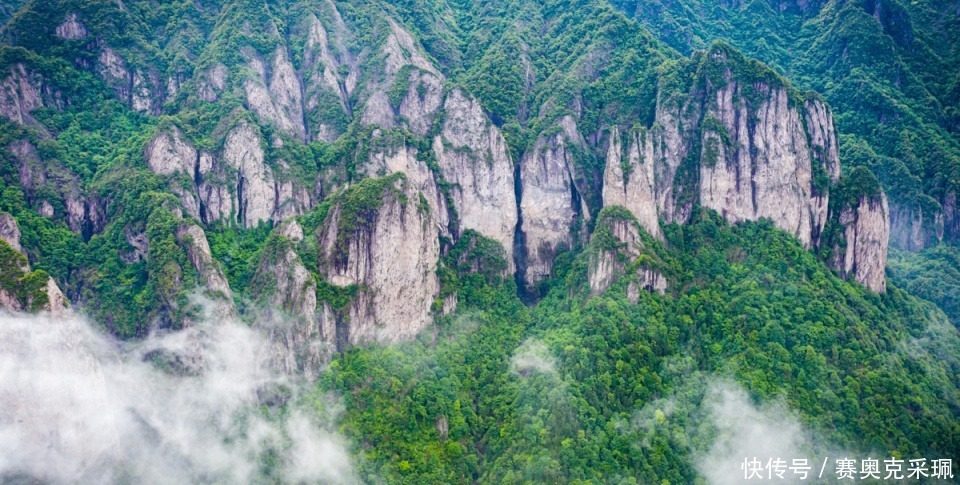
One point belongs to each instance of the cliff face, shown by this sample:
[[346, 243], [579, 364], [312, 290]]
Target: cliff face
[[550, 203], [23, 91], [20, 288], [380, 244], [473, 158], [617, 246], [288, 293], [861, 232], [628, 179], [236, 185], [866, 232], [756, 154]]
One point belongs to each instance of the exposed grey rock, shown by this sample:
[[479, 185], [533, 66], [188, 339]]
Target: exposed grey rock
[[56, 301], [113, 70], [194, 241], [377, 111], [255, 194], [168, 154], [648, 280], [473, 158], [392, 259], [39, 179], [424, 94], [403, 159], [71, 28], [289, 293], [747, 174], [212, 82], [550, 204], [10, 232], [621, 246], [628, 179], [912, 229], [323, 81], [422, 102], [275, 93], [21, 92], [866, 235], [140, 244]]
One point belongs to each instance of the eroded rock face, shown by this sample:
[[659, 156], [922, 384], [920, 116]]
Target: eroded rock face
[[628, 179], [194, 241], [758, 155], [212, 82], [912, 229], [550, 203], [473, 158], [422, 101], [238, 186], [275, 93], [326, 89], [404, 65], [168, 154], [71, 28], [764, 170], [616, 245], [389, 254], [14, 295], [133, 86], [289, 295], [22, 92], [10, 232], [242, 151], [866, 233], [44, 182], [647, 279]]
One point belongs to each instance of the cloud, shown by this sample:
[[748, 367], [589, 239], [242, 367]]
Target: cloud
[[532, 356], [744, 430], [199, 405]]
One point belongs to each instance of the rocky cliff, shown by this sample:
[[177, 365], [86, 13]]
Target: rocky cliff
[[287, 293], [474, 160], [744, 147], [616, 247], [233, 186], [20, 288], [551, 207], [861, 230], [380, 245]]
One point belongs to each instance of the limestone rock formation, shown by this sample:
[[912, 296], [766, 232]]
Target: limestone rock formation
[[379, 242], [168, 154], [474, 160], [550, 203], [758, 154], [194, 241], [863, 254], [237, 185], [71, 28], [861, 230], [327, 91], [22, 91], [628, 179], [20, 288], [615, 246], [288, 293], [274, 93], [913, 227], [10, 232], [56, 191]]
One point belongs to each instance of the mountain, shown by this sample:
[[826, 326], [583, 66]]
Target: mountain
[[504, 230]]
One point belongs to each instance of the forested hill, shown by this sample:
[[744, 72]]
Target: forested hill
[[525, 241]]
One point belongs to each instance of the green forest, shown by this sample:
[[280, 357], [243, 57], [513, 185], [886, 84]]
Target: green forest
[[415, 202]]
